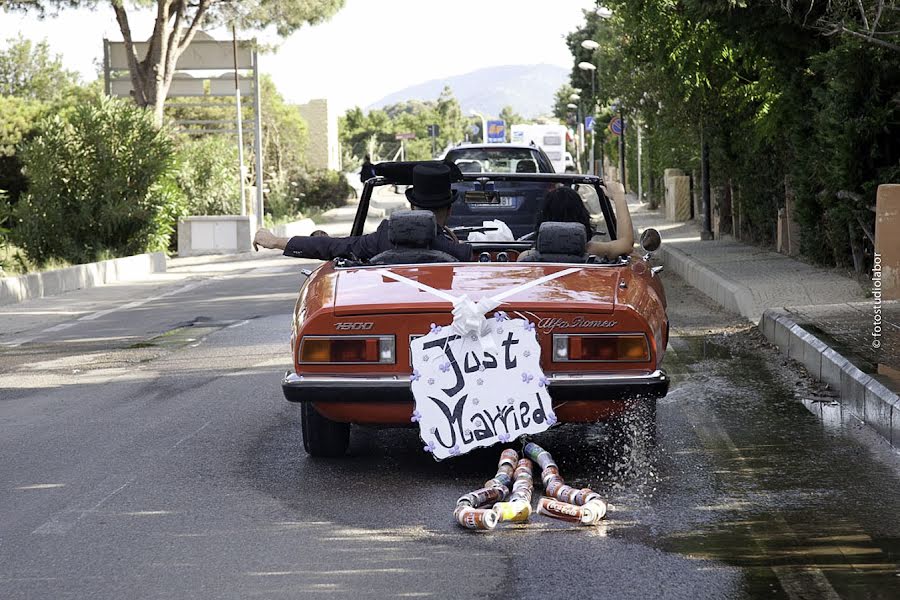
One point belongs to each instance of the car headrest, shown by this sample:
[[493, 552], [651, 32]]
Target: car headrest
[[561, 238], [412, 228], [526, 166]]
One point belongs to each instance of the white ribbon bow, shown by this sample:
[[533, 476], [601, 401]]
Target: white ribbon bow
[[468, 316]]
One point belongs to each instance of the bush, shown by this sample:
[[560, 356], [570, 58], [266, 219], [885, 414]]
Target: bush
[[323, 190], [101, 183], [306, 194], [208, 175]]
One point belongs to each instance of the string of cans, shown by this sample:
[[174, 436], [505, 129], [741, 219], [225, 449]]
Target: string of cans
[[507, 496]]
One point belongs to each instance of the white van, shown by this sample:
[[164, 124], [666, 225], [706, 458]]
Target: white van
[[549, 138]]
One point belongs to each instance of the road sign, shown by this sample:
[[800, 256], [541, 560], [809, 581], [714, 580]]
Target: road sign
[[405, 136], [589, 124], [434, 130], [616, 126], [496, 131]]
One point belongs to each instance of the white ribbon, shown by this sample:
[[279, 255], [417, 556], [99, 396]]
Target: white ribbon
[[468, 316]]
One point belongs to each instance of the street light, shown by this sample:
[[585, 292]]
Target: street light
[[474, 112], [603, 12], [574, 97], [586, 66], [572, 105], [590, 45]]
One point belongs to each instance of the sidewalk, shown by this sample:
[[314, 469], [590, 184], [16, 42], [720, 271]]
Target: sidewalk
[[819, 317]]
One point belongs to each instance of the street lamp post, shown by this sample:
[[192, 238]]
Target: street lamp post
[[573, 106], [586, 66], [483, 124]]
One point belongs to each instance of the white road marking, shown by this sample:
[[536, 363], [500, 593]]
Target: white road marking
[[102, 313]]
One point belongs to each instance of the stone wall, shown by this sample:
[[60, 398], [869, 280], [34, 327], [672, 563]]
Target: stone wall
[[322, 149]]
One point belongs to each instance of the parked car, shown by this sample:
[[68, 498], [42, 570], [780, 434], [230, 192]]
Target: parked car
[[602, 330], [500, 158]]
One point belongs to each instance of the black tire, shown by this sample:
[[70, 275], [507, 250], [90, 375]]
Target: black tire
[[323, 437]]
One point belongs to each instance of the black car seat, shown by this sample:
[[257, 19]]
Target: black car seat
[[526, 166], [411, 233], [560, 242]]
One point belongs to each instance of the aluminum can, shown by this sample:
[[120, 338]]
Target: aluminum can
[[539, 455], [475, 518], [509, 457], [486, 495], [546, 481], [598, 506], [566, 493], [586, 515], [524, 469], [499, 480], [585, 495], [515, 511], [552, 488]]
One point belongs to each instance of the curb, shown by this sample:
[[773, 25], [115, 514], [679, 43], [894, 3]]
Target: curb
[[727, 293], [301, 227], [59, 281], [867, 399]]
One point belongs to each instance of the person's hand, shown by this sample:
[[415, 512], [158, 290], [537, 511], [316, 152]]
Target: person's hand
[[264, 238]]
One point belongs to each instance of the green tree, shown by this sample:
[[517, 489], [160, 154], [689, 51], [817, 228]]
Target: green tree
[[175, 24], [18, 119], [374, 132], [101, 183], [509, 116], [29, 71]]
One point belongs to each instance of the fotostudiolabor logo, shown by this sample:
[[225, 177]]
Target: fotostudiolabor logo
[[876, 306]]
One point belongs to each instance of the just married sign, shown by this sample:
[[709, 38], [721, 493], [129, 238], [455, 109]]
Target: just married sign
[[475, 390]]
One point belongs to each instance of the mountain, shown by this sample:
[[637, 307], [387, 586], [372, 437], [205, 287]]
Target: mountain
[[528, 89]]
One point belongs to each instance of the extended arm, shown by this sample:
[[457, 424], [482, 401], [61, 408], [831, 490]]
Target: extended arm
[[624, 230]]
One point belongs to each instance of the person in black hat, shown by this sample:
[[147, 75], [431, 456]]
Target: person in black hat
[[430, 191]]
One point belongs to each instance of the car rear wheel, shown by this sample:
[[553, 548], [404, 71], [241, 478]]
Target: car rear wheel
[[323, 437]]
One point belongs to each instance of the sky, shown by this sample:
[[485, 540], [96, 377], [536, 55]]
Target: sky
[[366, 51]]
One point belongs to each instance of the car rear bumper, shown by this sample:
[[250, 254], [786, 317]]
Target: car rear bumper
[[609, 386]]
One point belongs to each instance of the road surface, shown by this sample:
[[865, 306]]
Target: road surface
[[148, 453]]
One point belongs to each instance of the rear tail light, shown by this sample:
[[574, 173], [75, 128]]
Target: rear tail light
[[631, 347], [347, 349]]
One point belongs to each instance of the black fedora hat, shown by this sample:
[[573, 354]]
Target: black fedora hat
[[431, 186]]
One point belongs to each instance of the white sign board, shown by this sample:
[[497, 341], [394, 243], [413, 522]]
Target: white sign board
[[475, 392]]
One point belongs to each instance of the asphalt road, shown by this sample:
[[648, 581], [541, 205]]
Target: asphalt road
[[148, 453]]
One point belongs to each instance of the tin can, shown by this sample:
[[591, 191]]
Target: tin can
[[475, 518], [586, 515], [509, 457], [552, 488], [515, 511], [546, 481], [539, 455], [523, 469], [566, 493], [499, 480], [584, 495], [598, 506], [486, 495]]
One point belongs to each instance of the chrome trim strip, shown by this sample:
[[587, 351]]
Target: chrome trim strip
[[394, 381]]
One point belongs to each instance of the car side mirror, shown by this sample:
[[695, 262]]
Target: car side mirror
[[650, 240]]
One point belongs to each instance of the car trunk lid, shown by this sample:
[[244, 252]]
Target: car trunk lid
[[369, 291]]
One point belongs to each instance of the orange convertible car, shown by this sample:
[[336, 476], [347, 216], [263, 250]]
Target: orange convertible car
[[603, 330]]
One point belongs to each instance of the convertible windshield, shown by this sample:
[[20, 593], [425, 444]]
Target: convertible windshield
[[499, 160], [481, 202]]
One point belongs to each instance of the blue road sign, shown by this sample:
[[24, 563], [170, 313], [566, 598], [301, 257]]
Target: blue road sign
[[616, 126], [589, 124], [474, 129], [496, 131]]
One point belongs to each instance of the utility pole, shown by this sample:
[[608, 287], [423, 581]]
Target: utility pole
[[706, 233], [622, 151], [639, 173]]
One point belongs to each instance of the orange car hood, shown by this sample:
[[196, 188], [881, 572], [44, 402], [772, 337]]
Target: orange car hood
[[368, 291]]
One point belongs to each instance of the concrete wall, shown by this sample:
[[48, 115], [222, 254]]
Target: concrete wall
[[323, 149], [678, 197], [228, 234], [59, 281], [887, 239]]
